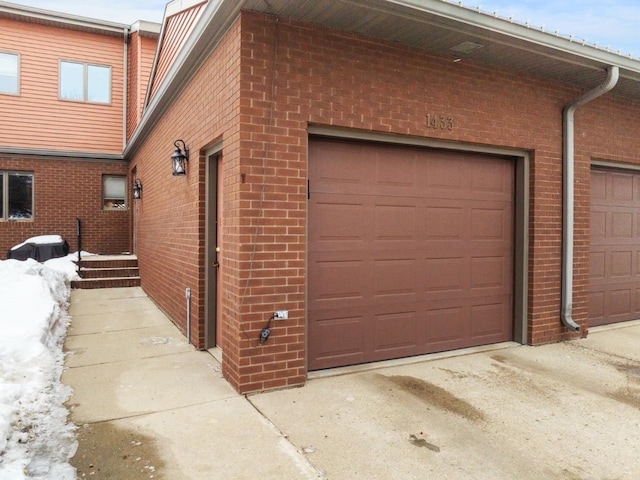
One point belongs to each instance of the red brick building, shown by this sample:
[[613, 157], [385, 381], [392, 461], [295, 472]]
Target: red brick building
[[390, 174]]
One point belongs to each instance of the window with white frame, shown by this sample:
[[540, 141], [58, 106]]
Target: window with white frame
[[83, 82], [114, 190], [9, 73], [16, 195]]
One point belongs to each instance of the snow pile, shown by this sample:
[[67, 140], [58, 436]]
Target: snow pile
[[35, 439]]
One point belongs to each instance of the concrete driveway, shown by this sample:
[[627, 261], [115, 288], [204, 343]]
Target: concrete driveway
[[149, 406], [560, 411]]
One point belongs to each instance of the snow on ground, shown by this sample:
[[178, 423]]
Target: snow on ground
[[36, 440]]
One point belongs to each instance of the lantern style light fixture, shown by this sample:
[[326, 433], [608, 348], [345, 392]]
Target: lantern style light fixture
[[178, 159], [137, 189]]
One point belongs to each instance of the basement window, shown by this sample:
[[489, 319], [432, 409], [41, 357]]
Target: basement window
[[16, 196], [114, 192], [9, 68]]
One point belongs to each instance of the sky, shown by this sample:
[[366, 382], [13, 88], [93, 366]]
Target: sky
[[610, 23], [36, 438]]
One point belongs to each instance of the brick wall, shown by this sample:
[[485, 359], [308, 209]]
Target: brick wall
[[63, 191], [170, 215], [332, 78]]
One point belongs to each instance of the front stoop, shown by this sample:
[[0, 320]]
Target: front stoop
[[108, 271]]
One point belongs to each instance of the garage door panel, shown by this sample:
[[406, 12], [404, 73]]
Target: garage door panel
[[596, 305], [487, 319], [395, 278], [597, 265], [395, 332], [489, 223], [395, 222], [340, 171], [598, 186], [620, 301], [339, 281], [444, 222], [620, 264], [490, 179], [400, 173], [621, 225], [429, 240], [622, 187], [598, 226], [490, 273], [339, 340], [446, 274], [348, 224], [445, 324], [614, 263], [441, 173]]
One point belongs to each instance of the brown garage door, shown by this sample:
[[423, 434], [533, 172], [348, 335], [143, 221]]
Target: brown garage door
[[614, 289], [410, 251]]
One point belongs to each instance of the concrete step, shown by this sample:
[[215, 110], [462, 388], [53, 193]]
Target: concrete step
[[109, 261], [114, 282], [108, 271]]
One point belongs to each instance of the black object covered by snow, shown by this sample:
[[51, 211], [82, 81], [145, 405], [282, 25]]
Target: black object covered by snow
[[41, 252]]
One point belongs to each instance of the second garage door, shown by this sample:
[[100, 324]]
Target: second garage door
[[614, 290], [410, 251]]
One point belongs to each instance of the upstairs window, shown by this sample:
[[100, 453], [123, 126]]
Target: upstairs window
[[16, 196], [114, 189], [9, 67], [83, 82]]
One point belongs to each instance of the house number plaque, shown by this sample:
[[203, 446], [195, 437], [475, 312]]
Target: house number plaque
[[440, 122]]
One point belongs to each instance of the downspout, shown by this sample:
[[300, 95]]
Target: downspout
[[125, 83], [567, 192]]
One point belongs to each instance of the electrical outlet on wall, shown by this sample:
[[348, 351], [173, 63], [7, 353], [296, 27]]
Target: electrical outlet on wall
[[281, 315]]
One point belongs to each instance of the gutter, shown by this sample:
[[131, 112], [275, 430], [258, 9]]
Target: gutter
[[61, 154], [568, 179], [62, 19]]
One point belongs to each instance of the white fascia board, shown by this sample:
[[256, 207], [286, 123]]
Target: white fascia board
[[178, 6], [476, 18], [66, 154], [142, 27], [62, 18]]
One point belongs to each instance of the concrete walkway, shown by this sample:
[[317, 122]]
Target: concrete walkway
[[150, 406]]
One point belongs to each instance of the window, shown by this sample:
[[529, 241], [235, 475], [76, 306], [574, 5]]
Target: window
[[16, 196], [9, 73], [114, 192], [83, 82]]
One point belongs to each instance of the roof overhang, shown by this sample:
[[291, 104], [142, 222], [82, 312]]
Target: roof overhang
[[146, 29], [19, 152], [50, 18], [437, 26]]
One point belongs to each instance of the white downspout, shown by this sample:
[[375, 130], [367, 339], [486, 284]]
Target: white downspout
[[567, 193]]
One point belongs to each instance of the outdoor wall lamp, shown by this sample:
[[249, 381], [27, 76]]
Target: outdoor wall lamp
[[178, 159], [137, 189]]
